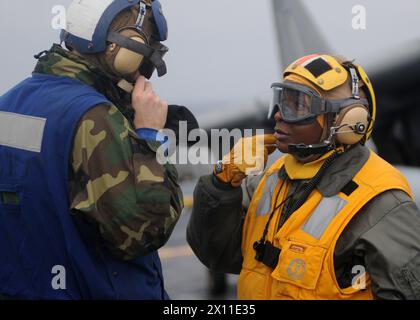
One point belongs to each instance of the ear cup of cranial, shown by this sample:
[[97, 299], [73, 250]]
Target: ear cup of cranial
[[126, 61], [352, 123]]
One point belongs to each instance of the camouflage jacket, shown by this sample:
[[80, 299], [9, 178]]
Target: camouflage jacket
[[116, 184]]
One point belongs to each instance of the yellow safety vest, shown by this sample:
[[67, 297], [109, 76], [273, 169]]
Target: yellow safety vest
[[307, 240]]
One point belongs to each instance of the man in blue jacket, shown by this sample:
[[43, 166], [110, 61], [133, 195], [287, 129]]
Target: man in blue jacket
[[84, 204]]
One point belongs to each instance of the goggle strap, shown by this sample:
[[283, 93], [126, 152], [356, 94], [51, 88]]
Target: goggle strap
[[318, 105], [336, 105], [333, 106], [130, 44]]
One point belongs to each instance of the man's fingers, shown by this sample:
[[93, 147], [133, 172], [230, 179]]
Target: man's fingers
[[164, 104], [269, 139], [148, 88], [270, 143], [139, 87], [140, 83]]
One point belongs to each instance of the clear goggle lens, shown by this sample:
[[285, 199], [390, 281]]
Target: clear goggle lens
[[294, 105]]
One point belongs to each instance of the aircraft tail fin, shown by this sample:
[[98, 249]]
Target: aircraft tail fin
[[297, 32]]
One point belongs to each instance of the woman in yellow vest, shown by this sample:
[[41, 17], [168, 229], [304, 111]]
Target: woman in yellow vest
[[330, 219]]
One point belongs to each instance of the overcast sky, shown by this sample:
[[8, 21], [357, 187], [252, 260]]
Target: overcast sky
[[220, 50]]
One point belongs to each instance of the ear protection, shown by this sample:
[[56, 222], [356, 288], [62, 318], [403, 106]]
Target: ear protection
[[351, 124], [125, 62]]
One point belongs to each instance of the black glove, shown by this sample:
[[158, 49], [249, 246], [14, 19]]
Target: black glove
[[177, 114]]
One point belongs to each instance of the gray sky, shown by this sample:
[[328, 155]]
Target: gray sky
[[220, 50]]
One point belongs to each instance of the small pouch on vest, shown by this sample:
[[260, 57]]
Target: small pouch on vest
[[9, 197], [300, 264]]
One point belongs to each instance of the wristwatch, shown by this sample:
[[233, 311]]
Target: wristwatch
[[219, 167]]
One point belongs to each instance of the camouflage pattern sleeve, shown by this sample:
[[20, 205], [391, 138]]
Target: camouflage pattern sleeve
[[118, 185]]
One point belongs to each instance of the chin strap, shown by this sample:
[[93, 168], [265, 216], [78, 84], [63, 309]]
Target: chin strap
[[125, 86], [304, 150]]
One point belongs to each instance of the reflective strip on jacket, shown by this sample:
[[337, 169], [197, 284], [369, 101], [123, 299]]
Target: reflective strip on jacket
[[307, 239]]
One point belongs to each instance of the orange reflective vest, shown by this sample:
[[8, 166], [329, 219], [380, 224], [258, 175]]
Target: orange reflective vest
[[307, 239]]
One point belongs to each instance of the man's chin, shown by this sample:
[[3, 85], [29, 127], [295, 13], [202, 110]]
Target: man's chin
[[282, 146]]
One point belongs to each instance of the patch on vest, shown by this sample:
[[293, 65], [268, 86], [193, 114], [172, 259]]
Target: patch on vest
[[297, 248], [21, 132], [296, 269]]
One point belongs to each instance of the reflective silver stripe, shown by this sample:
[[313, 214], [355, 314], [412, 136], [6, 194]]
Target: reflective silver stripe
[[264, 206], [322, 216], [21, 132]]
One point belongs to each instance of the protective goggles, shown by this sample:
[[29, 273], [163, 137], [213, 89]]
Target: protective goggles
[[301, 105]]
